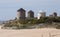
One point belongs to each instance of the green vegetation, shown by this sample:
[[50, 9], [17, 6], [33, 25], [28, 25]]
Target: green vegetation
[[19, 24]]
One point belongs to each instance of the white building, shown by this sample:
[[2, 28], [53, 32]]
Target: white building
[[41, 14]]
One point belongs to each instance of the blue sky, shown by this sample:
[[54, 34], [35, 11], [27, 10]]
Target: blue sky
[[8, 8]]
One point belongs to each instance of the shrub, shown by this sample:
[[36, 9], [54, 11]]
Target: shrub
[[58, 27]]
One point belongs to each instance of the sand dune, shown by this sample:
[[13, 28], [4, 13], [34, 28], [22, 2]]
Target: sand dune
[[44, 32]]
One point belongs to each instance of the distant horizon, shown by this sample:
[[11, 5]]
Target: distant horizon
[[8, 8]]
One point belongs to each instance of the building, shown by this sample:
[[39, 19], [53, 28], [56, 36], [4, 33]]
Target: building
[[54, 14], [21, 14], [41, 14], [30, 14]]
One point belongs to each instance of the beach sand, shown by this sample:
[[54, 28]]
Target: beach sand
[[43, 32]]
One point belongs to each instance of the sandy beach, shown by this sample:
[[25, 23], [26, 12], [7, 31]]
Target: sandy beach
[[43, 32]]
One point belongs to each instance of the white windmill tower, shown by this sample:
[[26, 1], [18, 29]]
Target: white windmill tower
[[41, 14]]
